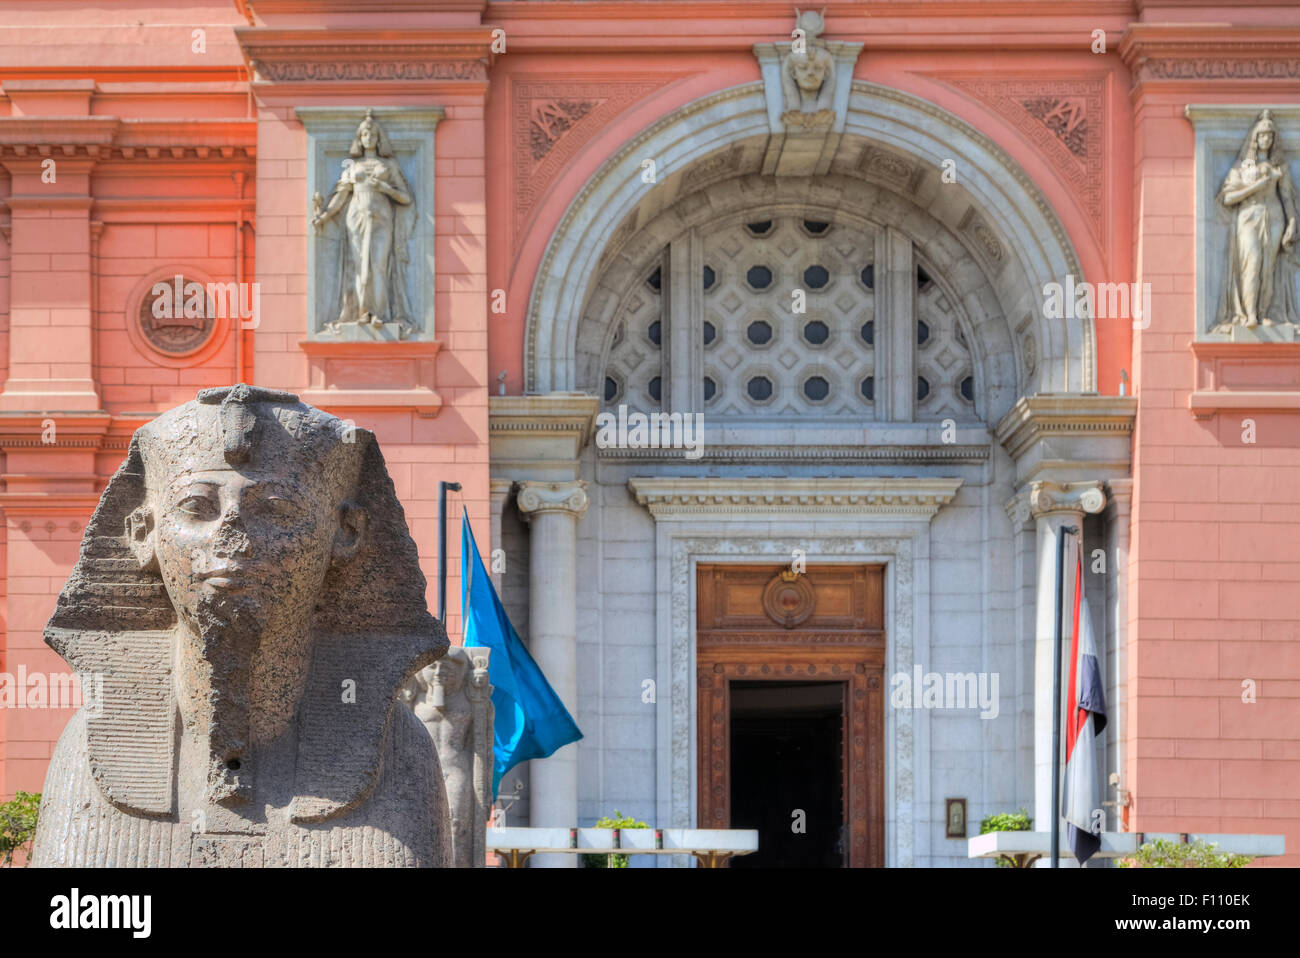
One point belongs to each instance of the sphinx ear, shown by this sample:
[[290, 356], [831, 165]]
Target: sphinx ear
[[351, 534], [139, 536]]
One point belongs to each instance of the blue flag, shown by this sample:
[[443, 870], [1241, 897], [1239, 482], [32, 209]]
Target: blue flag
[[531, 721]]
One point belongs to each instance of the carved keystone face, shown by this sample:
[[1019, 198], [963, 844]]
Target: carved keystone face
[[809, 73]]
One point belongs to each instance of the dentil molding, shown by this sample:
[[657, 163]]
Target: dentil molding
[[722, 497]]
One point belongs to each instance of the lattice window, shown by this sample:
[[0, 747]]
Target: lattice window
[[944, 370], [762, 358], [634, 374]]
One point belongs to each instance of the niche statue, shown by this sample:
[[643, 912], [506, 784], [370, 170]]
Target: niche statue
[[454, 700], [250, 594], [378, 216], [1259, 286]]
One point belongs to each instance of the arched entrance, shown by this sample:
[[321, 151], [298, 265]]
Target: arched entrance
[[832, 330]]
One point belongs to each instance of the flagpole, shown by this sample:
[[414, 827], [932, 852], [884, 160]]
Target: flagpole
[[1061, 533], [442, 547]]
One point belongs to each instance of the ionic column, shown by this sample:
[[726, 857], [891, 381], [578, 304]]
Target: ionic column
[[553, 510], [1052, 505]]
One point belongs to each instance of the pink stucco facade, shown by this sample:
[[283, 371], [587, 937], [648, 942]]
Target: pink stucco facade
[[170, 159]]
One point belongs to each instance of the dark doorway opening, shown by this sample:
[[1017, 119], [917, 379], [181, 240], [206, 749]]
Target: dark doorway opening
[[787, 756]]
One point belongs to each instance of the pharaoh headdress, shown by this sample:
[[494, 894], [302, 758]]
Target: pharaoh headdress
[[371, 625]]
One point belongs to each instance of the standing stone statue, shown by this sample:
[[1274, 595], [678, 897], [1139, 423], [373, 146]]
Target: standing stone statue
[[1259, 286], [379, 219], [454, 700], [808, 76], [250, 594]]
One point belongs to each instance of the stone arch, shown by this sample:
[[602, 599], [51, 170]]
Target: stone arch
[[891, 138], [833, 197]]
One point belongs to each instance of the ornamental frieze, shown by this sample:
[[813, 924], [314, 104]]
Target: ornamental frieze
[[1064, 117], [552, 119]]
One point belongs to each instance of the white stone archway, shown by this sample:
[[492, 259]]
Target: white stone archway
[[893, 138]]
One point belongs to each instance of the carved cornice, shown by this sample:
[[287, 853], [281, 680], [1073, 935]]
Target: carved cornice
[[900, 455], [1062, 415], [538, 497], [545, 414], [1076, 498], [383, 55], [1175, 53], [109, 137], [751, 497]]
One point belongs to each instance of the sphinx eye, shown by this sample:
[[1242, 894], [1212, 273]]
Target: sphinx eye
[[278, 507], [198, 507]]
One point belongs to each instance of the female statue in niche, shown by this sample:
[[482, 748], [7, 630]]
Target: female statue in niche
[[377, 226], [1258, 193]]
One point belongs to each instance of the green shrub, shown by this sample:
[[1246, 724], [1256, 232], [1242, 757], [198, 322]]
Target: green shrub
[[618, 820], [1017, 821], [1162, 853], [18, 825]]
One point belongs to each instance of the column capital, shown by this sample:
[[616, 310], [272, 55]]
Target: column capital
[[537, 497], [1120, 493], [499, 489], [1047, 498]]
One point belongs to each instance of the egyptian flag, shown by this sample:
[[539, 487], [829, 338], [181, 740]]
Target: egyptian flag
[[1085, 720]]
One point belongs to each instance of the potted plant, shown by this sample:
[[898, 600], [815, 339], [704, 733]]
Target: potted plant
[[618, 820], [1017, 821]]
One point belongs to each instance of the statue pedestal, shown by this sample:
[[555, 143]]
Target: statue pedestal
[[385, 376], [1263, 334], [365, 333]]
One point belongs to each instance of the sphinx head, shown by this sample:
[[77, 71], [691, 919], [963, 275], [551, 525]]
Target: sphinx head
[[248, 504]]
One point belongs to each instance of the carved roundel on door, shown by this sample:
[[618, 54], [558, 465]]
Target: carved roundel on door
[[788, 599]]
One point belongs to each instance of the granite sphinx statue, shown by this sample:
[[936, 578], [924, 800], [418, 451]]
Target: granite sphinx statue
[[250, 593], [453, 699]]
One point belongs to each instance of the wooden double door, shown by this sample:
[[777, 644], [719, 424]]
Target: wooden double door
[[779, 650]]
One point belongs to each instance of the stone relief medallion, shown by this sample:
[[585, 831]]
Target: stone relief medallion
[[176, 316], [788, 599]]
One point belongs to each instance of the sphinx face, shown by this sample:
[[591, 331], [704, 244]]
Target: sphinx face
[[244, 546]]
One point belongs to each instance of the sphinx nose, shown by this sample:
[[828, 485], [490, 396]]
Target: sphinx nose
[[231, 538]]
